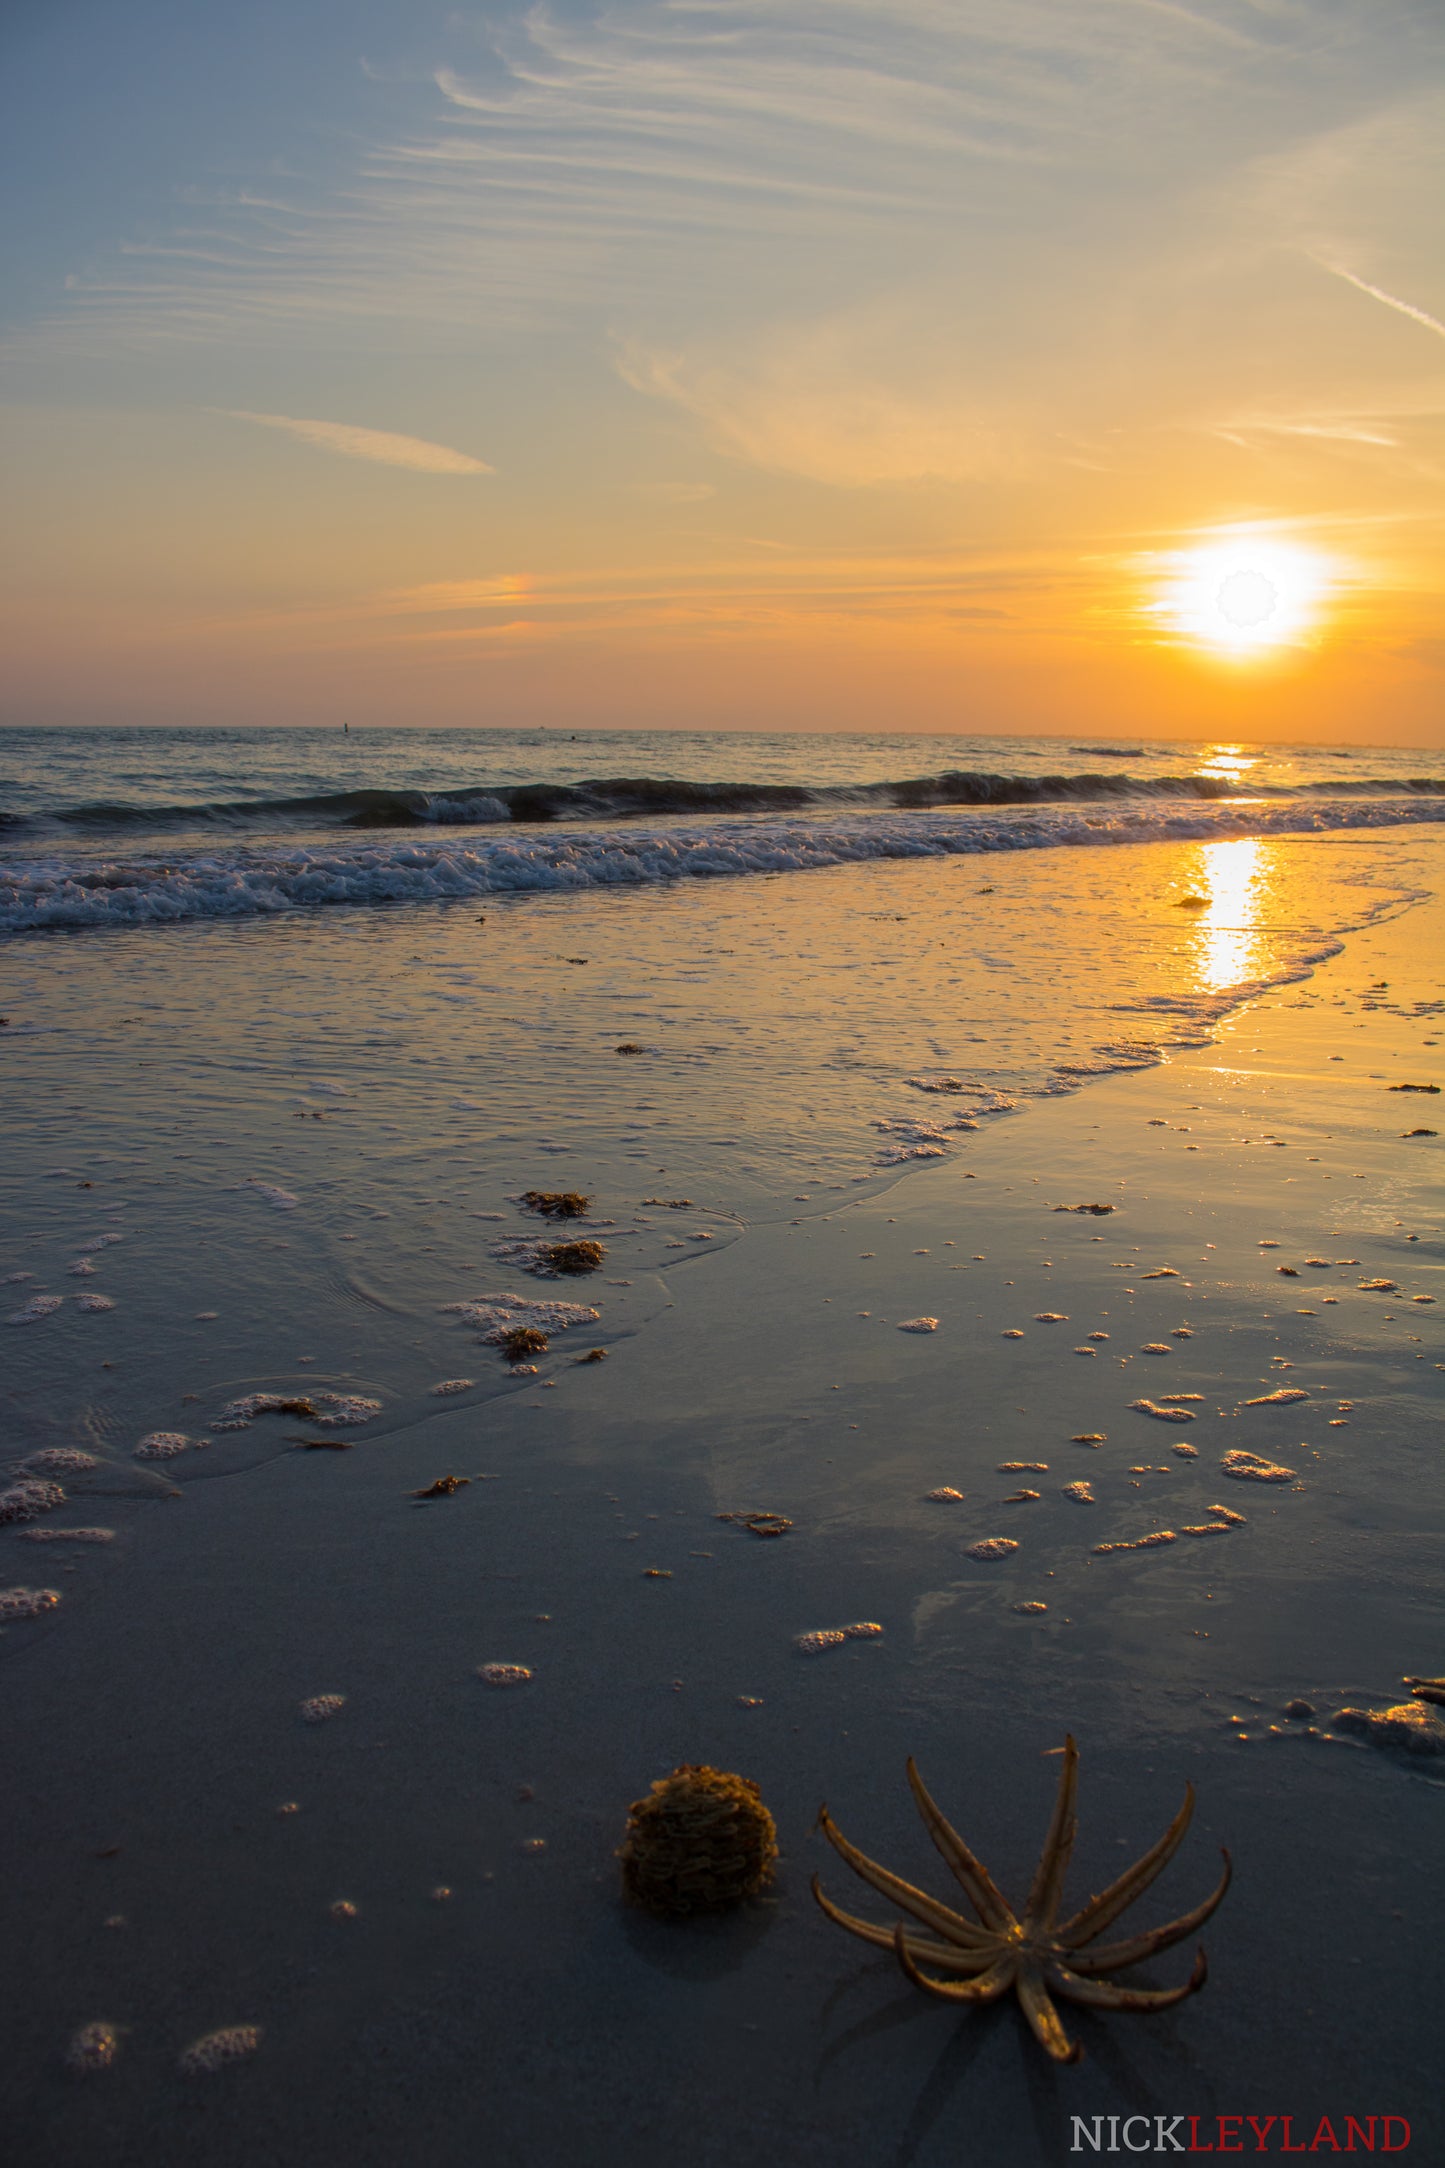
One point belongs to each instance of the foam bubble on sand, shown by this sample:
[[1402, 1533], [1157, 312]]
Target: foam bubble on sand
[[93, 1303], [1162, 1414], [1227, 1514], [1084, 1492], [1086, 1351], [1156, 1347], [162, 1445], [833, 1637], [1205, 1528], [1253, 1468], [82, 1269], [217, 2050], [27, 1500], [67, 1535], [1186, 1452], [1277, 1400], [18, 1603], [321, 1708], [452, 1385], [1011, 1332], [498, 1315], [94, 2047], [1140, 1543], [919, 1324], [282, 1200], [991, 1547], [1051, 1317], [537, 1253], [945, 1495], [332, 1411], [37, 1307], [503, 1674], [59, 1460]]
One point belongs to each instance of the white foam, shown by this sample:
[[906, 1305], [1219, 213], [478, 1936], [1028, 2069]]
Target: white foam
[[498, 1315], [37, 1307]]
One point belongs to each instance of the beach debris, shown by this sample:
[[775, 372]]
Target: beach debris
[[629, 1046], [833, 1637], [1426, 1689], [1161, 1412], [945, 1495], [344, 1909], [1100, 1211], [1253, 1468], [1227, 1514], [94, 2047], [1083, 1492], [918, 1324], [594, 1355], [444, 1487], [1182, 1332], [1434, 1088], [991, 1547], [1378, 1287], [523, 1340], [27, 1500], [1028, 1951], [551, 1260], [556, 1203], [1090, 1437], [1192, 903], [701, 1841], [1410, 1726], [37, 1307], [1098, 1336], [162, 1445], [1186, 1452], [504, 1674], [218, 2050], [324, 1445], [1011, 1332], [1050, 1317], [675, 1204], [1029, 1609], [1204, 1528], [1023, 1467], [18, 1603], [330, 1410], [321, 1708], [1089, 1351], [1140, 1543], [759, 1524], [446, 1386], [1156, 1347], [1277, 1399], [67, 1535], [1021, 1497], [1163, 1272], [657, 1573]]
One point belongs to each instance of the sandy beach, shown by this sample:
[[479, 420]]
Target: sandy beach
[[415, 1902]]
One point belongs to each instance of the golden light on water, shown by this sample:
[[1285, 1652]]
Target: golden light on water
[[1243, 595], [1233, 877]]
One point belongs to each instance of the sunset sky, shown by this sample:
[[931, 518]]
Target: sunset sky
[[1058, 365]]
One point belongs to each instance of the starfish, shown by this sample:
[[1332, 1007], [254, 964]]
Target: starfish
[[1031, 1953]]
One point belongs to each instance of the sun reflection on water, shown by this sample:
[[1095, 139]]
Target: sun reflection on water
[[1233, 877]]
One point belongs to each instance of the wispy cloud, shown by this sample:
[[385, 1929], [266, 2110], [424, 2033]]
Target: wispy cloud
[[382, 445], [1391, 301]]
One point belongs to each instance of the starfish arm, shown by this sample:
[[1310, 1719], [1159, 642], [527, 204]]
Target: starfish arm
[[883, 1938], [1113, 1956], [1048, 1884], [1044, 2020], [1102, 1910], [983, 1892], [986, 1988], [1102, 1995], [924, 1908]]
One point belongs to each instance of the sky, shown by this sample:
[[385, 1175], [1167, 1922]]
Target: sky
[[1010, 365]]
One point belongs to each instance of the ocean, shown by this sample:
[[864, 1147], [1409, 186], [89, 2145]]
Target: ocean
[[102, 827]]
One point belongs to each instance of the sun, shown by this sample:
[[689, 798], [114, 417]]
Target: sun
[[1242, 595]]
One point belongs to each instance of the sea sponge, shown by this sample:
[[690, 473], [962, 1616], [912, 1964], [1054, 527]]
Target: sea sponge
[[702, 1840]]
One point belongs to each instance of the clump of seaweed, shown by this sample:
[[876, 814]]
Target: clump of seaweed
[[701, 1841], [443, 1486], [629, 1046], [556, 1203], [523, 1340], [573, 1258], [594, 1355]]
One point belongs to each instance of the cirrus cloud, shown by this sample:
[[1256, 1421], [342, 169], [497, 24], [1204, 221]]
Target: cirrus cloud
[[382, 445]]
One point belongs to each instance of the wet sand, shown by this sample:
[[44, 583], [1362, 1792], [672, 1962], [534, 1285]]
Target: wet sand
[[155, 1717]]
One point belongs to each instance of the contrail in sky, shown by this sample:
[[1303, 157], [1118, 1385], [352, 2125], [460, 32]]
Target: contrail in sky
[[1391, 301]]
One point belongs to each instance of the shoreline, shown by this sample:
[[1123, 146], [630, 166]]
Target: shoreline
[[530, 2006]]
